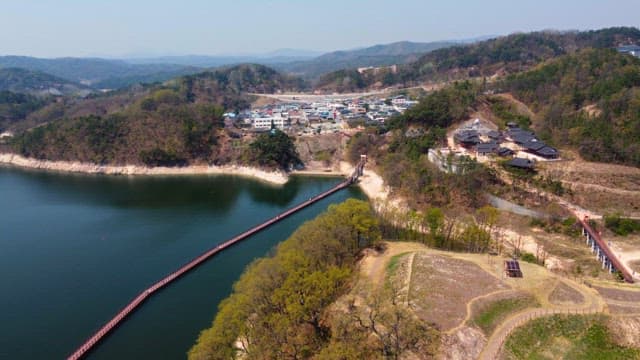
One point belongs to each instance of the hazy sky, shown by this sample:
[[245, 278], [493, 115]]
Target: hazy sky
[[50, 28]]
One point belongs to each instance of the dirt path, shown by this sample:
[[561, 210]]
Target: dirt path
[[374, 266], [408, 278], [593, 304], [601, 188], [473, 301], [625, 256], [499, 337]]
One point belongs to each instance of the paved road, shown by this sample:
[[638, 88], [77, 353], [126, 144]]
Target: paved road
[[313, 97]]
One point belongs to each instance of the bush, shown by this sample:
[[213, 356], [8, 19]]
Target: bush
[[621, 226], [528, 257]]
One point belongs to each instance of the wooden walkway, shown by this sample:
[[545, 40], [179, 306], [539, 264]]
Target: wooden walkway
[[144, 295]]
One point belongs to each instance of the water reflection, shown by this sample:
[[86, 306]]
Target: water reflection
[[75, 248]]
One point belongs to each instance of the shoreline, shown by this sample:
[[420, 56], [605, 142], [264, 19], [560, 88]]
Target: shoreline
[[371, 183], [275, 177]]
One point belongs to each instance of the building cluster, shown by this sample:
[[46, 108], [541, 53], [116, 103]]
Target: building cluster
[[528, 142], [333, 114], [633, 50], [485, 142]]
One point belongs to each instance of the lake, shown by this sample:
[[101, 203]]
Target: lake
[[74, 249]]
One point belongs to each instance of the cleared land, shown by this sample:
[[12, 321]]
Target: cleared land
[[619, 294], [442, 287], [564, 294], [603, 187], [566, 337]]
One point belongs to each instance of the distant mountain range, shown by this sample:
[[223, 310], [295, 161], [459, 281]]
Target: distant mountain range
[[378, 55], [209, 61], [19, 80], [91, 71], [100, 73]]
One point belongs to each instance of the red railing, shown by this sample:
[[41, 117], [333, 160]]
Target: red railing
[[135, 303], [606, 250]]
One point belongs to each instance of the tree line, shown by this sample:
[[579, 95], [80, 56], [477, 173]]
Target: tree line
[[278, 306], [589, 100]]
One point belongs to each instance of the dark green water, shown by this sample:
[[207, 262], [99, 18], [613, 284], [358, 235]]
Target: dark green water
[[75, 249]]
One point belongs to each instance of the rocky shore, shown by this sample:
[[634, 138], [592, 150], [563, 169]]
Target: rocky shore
[[275, 177]]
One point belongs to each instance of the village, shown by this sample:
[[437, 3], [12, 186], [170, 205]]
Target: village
[[483, 141], [323, 116]]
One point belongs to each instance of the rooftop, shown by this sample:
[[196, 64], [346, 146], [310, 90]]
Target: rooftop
[[521, 163]]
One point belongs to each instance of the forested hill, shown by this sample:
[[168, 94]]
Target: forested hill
[[378, 55], [225, 85], [98, 72], [500, 56], [177, 123], [589, 100], [15, 107], [37, 83]]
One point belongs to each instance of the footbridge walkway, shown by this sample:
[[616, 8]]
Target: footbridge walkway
[[602, 250], [144, 295]]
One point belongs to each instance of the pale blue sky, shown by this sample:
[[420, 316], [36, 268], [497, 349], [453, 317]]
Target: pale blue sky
[[49, 28]]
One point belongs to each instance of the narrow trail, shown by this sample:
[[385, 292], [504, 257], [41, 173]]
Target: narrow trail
[[408, 278], [497, 340], [470, 305], [593, 304]]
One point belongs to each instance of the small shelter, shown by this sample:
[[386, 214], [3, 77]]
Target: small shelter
[[512, 268], [521, 163]]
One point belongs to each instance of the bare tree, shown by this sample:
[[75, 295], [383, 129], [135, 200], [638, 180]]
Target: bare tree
[[395, 327]]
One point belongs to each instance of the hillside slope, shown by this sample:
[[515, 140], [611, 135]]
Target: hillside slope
[[163, 125], [37, 83], [589, 100], [500, 56], [15, 107], [92, 71], [379, 55]]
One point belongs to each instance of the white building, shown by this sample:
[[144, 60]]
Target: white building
[[398, 101], [264, 123]]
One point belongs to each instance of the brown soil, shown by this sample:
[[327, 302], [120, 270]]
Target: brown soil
[[623, 310], [626, 330], [442, 286], [263, 101], [566, 254], [592, 110], [606, 188], [564, 294], [465, 343], [324, 150], [618, 294], [635, 265]]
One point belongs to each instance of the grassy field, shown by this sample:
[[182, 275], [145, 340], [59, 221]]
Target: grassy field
[[566, 337], [488, 315]]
